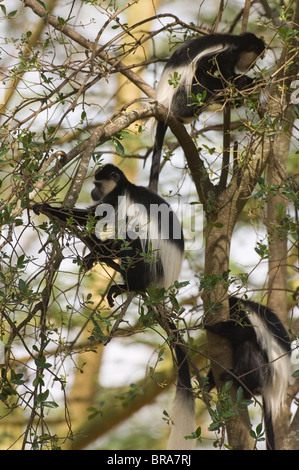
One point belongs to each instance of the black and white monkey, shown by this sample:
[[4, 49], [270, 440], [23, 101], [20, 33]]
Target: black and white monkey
[[139, 229], [261, 348], [205, 65], [154, 255], [132, 225]]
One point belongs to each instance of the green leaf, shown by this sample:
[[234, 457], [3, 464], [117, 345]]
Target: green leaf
[[229, 414], [12, 14], [227, 386], [22, 285], [195, 435], [42, 397], [239, 394], [17, 378], [50, 404], [41, 363], [214, 426], [4, 152], [38, 380], [119, 147], [259, 428]]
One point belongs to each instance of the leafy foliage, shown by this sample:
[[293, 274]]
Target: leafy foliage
[[64, 110]]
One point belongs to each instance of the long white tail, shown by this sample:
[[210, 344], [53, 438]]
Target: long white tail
[[183, 411], [183, 417], [275, 389]]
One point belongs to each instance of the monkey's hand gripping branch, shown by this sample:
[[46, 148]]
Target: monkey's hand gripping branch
[[75, 221]]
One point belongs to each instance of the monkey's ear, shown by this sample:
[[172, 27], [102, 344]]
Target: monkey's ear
[[115, 176]]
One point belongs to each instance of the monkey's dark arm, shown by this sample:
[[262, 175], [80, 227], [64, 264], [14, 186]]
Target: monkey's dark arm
[[223, 329], [61, 214], [233, 331], [100, 251], [225, 67]]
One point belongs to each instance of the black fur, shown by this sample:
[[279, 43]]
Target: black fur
[[135, 267], [213, 72], [250, 357], [137, 271]]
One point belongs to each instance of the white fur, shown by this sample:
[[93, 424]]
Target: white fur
[[183, 417], [170, 256], [274, 392], [132, 216], [106, 187], [165, 92]]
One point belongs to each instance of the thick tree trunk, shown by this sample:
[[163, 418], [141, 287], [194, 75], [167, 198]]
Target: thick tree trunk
[[218, 241]]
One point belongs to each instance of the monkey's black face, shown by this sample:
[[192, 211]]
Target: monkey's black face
[[251, 48], [251, 43], [102, 189], [106, 179]]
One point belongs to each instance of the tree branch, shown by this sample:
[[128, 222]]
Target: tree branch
[[91, 46]]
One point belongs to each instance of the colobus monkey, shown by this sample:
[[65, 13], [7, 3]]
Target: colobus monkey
[[204, 66], [138, 228], [261, 348], [133, 225]]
